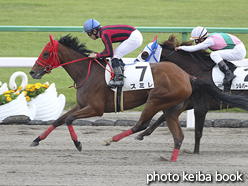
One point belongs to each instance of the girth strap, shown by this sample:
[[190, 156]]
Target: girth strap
[[118, 100]]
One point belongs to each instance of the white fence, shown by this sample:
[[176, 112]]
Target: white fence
[[29, 61], [17, 61], [12, 62]]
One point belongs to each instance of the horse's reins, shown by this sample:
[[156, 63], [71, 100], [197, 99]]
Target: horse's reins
[[54, 62], [205, 69], [110, 71], [166, 57], [49, 68]]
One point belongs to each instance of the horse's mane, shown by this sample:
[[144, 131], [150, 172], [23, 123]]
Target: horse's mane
[[73, 43], [172, 42]]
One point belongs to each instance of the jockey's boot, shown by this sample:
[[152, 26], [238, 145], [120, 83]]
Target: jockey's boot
[[229, 76], [117, 81], [122, 64]]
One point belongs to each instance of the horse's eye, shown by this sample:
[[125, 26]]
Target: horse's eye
[[46, 54]]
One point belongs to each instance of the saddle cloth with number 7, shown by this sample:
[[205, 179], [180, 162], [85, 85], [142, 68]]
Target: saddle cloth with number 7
[[137, 76]]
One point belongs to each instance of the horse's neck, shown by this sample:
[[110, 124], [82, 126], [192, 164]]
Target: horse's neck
[[188, 64], [76, 70]]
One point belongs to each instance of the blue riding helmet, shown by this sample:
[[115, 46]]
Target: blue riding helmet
[[90, 25]]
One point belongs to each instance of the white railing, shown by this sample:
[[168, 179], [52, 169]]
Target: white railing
[[13, 62]]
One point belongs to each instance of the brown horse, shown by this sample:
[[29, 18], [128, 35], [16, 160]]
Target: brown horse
[[197, 64], [172, 90]]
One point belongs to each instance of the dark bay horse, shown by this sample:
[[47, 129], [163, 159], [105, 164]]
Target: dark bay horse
[[198, 64], [172, 91]]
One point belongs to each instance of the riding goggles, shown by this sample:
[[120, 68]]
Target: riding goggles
[[89, 33]]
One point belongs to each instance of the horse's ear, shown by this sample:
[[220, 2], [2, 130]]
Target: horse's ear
[[51, 39], [155, 38], [154, 44]]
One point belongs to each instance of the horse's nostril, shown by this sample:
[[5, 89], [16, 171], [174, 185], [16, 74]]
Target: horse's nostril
[[31, 72]]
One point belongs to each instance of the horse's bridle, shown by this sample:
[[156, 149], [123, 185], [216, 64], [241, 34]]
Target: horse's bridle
[[54, 62], [53, 59]]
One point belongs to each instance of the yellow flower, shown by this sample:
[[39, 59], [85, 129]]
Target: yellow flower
[[27, 98], [32, 89], [25, 92], [28, 86], [8, 98], [20, 87], [44, 85], [18, 93], [11, 91], [6, 92], [37, 86], [7, 95]]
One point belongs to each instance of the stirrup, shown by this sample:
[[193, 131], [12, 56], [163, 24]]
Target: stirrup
[[115, 84], [119, 83], [231, 77], [227, 86], [111, 84]]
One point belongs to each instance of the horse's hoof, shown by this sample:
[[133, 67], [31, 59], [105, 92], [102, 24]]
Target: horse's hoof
[[34, 144], [104, 143], [78, 145], [139, 138], [107, 142], [196, 152], [79, 148]]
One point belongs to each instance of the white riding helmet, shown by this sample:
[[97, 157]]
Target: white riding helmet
[[198, 32]]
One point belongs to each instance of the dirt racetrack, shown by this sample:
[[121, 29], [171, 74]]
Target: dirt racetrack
[[126, 163]]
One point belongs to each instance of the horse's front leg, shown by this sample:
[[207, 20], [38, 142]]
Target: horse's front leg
[[85, 112], [200, 116], [56, 123]]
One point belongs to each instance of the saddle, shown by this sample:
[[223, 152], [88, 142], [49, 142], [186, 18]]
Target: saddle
[[240, 82]]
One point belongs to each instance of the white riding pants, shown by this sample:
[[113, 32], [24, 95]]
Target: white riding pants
[[237, 53], [134, 41]]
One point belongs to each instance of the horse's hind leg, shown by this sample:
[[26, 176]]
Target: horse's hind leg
[[142, 123], [172, 118], [150, 130]]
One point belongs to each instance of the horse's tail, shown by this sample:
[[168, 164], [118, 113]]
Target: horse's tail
[[203, 89]]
